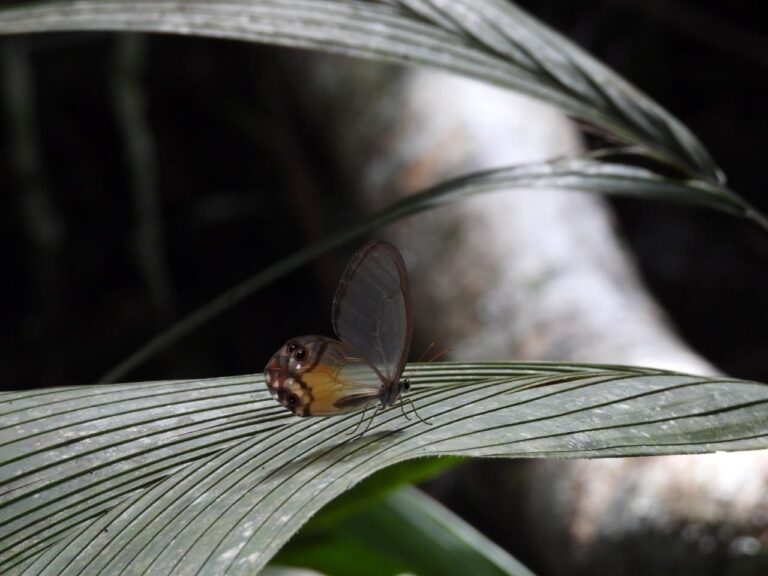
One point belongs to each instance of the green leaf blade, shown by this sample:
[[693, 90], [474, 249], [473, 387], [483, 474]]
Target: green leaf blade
[[422, 537], [230, 509], [483, 39]]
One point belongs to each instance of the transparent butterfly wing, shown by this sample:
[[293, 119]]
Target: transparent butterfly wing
[[331, 378], [372, 308], [341, 381]]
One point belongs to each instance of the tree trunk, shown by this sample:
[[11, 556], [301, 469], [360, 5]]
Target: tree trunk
[[532, 275]]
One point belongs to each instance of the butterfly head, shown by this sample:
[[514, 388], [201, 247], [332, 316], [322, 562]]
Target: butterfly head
[[390, 395], [285, 370]]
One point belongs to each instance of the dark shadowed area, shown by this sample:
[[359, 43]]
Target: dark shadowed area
[[240, 182], [142, 176]]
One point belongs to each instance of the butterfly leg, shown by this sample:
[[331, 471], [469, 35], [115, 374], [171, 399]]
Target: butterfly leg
[[362, 417], [416, 412], [402, 409], [370, 420]]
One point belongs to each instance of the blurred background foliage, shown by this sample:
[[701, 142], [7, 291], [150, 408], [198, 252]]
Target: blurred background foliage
[[226, 148], [242, 181], [226, 151]]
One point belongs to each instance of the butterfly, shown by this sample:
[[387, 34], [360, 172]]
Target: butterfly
[[371, 314]]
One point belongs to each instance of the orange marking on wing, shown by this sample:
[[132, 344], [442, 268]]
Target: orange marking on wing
[[327, 388]]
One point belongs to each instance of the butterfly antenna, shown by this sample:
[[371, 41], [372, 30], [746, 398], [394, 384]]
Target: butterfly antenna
[[431, 344], [440, 354]]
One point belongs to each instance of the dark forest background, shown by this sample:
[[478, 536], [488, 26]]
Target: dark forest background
[[77, 296]]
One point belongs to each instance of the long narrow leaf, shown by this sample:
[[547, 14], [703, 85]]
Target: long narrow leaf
[[375, 488], [583, 174], [213, 477], [485, 39], [421, 537]]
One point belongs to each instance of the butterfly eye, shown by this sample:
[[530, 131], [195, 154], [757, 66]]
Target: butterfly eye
[[300, 353], [293, 400], [292, 346]]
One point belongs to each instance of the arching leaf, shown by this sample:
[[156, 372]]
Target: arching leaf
[[489, 40], [212, 476]]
